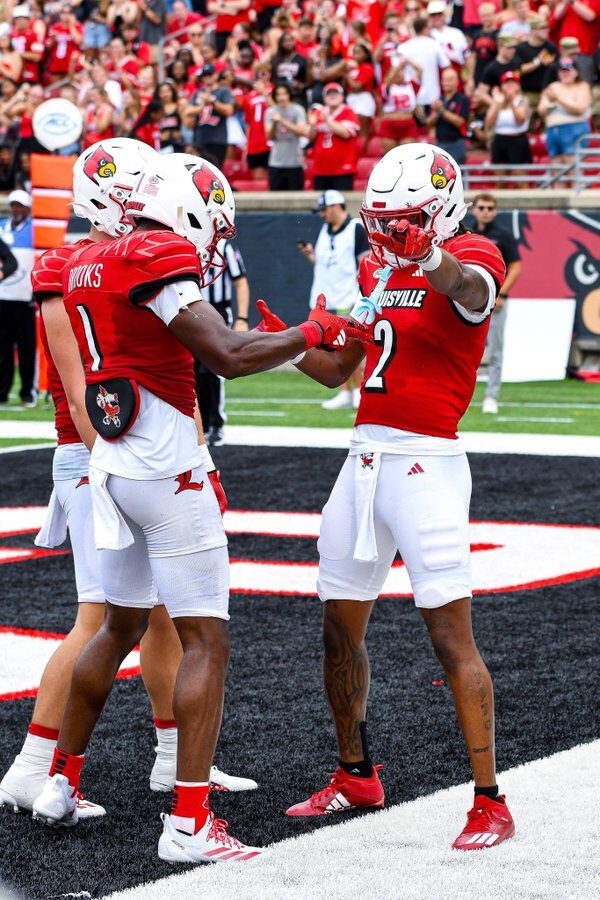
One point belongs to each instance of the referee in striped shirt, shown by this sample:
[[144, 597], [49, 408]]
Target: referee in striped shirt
[[228, 291]]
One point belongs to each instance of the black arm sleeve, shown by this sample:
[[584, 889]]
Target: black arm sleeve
[[361, 244], [9, 263]]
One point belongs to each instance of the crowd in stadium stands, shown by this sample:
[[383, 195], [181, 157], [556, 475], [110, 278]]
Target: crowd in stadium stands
[[294, 94]]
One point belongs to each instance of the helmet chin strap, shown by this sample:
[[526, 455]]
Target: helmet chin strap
[[180, 229]]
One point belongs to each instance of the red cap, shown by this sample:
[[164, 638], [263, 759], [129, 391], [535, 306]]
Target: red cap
[[333, 86], [510, 76]]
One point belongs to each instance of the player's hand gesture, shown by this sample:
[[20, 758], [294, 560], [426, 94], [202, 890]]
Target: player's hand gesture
[[406, 241], [336, 330], [269, 321]]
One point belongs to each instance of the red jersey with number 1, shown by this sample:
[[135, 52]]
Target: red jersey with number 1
[[106, 288], [46, 282], [420, 371]]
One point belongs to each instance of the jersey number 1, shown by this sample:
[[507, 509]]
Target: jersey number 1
[[384, 337], [90, 338]]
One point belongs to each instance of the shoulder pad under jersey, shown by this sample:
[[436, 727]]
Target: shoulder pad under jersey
[[158, 258], [477, 250], [47, 272]]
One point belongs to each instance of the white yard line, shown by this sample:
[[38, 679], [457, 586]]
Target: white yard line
[[530, 419], [18, 448], [282, 436], [404, 851]]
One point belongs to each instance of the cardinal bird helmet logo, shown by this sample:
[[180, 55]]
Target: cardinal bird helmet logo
[[209, 186], [109, 404], [100, 164], [443, 173]]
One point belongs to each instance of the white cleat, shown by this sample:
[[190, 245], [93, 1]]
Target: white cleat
[[22, 784], [164, 773], [343, 400], [221, 781], [56, 805], [489, 405], [211, 844]]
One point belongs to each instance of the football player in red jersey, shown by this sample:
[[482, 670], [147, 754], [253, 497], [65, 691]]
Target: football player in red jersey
[[70, 503], [135, 307], [406, 484]]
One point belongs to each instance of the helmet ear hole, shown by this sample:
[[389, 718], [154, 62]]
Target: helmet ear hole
[[97, 203], [193, 221]]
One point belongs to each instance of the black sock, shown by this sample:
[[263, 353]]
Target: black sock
[[491, 792], [363, 768]]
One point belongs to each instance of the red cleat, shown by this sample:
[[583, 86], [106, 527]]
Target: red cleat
[[343, 792], [488, 824]]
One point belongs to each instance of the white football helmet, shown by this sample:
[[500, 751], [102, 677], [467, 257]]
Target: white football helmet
[[418, 182], [104, 176], [191, 197]]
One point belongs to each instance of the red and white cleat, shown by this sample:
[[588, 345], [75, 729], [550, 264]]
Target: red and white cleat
[[212, 843], [343, 792], [488, 824]]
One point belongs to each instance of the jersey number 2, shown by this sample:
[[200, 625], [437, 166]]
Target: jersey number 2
[[384, 337]]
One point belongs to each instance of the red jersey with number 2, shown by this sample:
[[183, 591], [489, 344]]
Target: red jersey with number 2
[[46, 282], [420, 371], [106, 288]]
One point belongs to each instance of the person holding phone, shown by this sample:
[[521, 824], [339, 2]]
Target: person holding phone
[[338, 250]]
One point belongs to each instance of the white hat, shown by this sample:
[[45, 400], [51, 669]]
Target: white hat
[[21, 197], [329, 198], [21, 12], [436, 6]]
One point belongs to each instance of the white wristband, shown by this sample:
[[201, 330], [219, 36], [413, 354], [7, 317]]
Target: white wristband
[[298, 359], [206, 458], [433, 261]]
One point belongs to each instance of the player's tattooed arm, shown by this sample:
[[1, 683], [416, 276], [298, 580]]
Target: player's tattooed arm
[[460, 283]]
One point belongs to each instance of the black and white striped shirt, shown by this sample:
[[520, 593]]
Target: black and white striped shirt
[[221, 292]]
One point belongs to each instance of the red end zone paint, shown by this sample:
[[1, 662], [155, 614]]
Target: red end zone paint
[[24, 653]]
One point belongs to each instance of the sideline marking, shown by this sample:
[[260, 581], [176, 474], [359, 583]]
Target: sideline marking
[[404, 851], [339, 438]]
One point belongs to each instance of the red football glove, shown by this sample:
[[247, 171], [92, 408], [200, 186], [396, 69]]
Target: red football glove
[[269, 321], [405, 240], [336, 331], [213, 477]]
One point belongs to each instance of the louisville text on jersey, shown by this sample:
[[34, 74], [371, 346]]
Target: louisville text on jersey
[[412, 297]]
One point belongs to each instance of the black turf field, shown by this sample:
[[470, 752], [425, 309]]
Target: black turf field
[[541, 646]]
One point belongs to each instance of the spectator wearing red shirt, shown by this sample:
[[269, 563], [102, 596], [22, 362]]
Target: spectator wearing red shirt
[[579, 19], [133, 45], [27, 43], [255, 106], [399, 93], [370, 12], [242, 66], [62, 41], [98, 118], [334, 131], [147, 128], [360, 84], [387, 46], [123, 64], [306, 43], [181, 17], [228, 13]]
